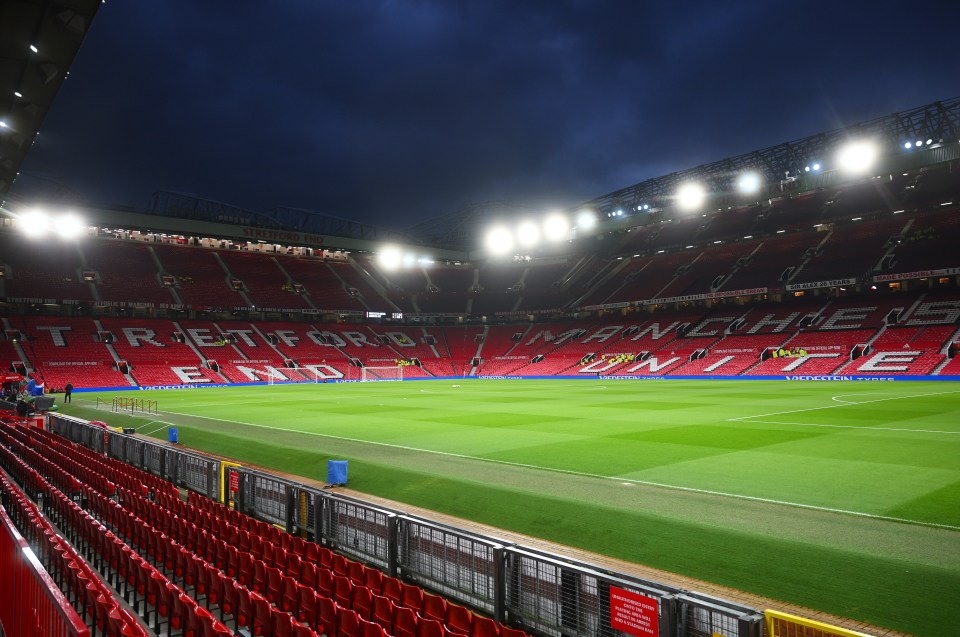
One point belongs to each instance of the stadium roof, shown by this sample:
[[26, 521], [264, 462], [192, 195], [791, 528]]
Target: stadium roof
[[38, 42]]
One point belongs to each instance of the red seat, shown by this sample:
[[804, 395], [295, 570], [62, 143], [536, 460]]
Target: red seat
[[262, 623], [325, 582], [308, 574], [404, 622], [259, 583], [371, 629], [429, 628], [289, 597], [274, 586], [283, 624], [361, 600], [210, 627], [412, 597], [304, 631], [294, 565], [306, 604], [342, 589], [214, 586], [348, 623], [340, 565], [231, 597], [327, 616], [459, 618], [393, 589], [355, 571], [383, 612], [434, 607], [484, 627], [373, 579], [324, 557]]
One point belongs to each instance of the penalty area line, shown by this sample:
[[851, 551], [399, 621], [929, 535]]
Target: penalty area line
[[621, 479]]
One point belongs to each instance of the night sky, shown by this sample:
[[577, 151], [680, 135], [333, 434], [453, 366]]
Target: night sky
[[393, 112]]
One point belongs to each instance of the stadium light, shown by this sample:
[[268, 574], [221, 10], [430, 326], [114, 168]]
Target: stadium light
[[857, 157], [389, 257], [556, 227], [586, 220], [528, 234], [690, 196], [908, 145], [35, 224], [69, 226], [499, 241], [749, 183]]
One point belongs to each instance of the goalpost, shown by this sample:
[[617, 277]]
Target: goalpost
[[369, 374]]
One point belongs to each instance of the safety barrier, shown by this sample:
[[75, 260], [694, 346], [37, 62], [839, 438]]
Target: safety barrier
[[787, 625], [547, 594], [31, 605]]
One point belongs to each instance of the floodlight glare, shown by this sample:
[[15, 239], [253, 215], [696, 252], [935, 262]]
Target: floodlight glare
[[690, 196], [409, 259], [499, 241], [816, 166], [749, 183], [586, 220], [389, 257], [69, 226], [35, 223], [907, 145], [528, 234], [556, 227], [857, 157]]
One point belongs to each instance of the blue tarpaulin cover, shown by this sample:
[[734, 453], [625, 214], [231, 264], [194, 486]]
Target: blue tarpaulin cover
[[337, 471]]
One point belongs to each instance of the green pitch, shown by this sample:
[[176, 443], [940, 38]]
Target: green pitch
[[840, 496]]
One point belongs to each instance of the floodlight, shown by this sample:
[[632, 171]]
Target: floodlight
[[749, 183], [69, 226], [35, 223], [586, 220], [857, 157], [806, 168], [690, 196], [816, 166], [918, 143], [929, 141], [3, 124], [528, 234], [33, 47], [908, 145], [389, 257], [556, 227], [499, 240]]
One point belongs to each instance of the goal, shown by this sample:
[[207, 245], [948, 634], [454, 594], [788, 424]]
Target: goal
[[368, 374]]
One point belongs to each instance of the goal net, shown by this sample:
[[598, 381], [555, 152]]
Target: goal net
[[394, 372]]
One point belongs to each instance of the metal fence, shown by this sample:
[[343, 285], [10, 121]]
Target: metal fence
[[193, 471], [545, 594], [466, 567], [359, 530]]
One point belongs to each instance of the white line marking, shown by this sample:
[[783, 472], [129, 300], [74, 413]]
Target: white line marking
[[862, 402], [621, 479], [810, 424], [837, 398]]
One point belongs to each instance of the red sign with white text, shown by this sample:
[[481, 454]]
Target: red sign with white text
[[234, 481], [634, 613]]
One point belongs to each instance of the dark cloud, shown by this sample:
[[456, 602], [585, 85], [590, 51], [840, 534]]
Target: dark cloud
[[397, 111]]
